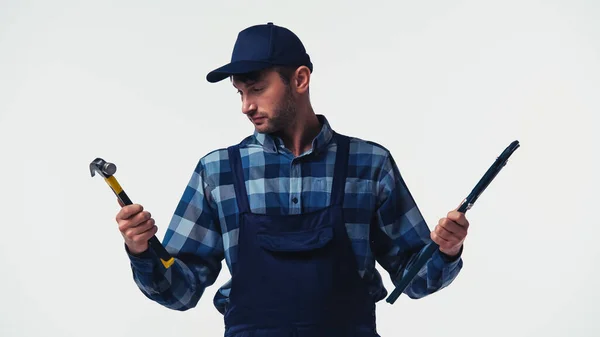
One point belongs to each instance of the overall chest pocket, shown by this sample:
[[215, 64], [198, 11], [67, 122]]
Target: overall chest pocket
[[295, 241]]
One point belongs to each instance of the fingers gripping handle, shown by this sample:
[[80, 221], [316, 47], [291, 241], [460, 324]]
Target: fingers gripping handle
[[166, 258], [421, 261]]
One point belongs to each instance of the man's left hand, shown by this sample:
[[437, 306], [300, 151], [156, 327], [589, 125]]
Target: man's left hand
[[450, 232]]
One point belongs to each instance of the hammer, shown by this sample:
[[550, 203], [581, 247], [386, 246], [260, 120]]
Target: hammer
[[107, 171]]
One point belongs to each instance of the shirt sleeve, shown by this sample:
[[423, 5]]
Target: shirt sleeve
[[194, 239], [399, 234]]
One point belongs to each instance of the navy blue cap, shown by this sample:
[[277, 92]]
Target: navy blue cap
[[262, 46]]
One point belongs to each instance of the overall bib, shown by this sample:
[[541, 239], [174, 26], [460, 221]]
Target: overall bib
[[297, 275]]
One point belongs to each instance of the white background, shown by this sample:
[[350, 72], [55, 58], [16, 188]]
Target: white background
[[445, 85]]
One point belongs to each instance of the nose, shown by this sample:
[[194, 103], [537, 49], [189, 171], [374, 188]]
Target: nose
[[248, 106]]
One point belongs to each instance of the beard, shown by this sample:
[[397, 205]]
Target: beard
[[284, 116]]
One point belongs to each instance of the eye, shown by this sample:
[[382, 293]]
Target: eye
[[257, 89]]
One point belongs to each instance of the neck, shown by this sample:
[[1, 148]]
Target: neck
[[299, 135]]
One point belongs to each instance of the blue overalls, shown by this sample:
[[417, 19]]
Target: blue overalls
[[297, 275]]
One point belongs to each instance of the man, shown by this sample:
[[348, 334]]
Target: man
[[299, 212]]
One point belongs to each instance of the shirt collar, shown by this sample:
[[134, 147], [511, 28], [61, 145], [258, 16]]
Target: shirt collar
[[274, 144]]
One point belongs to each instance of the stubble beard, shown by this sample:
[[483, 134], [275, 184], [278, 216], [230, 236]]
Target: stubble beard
[[285, 114]]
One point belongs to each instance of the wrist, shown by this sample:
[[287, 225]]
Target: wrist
[[136, 251], [452, 253], [143, 262]]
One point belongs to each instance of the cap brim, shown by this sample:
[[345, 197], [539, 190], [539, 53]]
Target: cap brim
[[235, 68]]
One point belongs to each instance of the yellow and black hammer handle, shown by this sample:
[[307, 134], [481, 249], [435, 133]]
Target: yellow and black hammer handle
[[107, 171]]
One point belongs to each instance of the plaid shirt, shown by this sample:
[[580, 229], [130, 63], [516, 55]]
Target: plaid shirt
[[382, 219]]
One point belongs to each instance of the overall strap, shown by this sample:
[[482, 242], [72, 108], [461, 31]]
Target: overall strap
[[340, 169], [235, 161]]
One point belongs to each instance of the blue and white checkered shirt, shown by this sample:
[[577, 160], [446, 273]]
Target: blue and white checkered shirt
[[382, 219]]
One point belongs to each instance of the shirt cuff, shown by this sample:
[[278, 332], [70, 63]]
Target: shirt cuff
[[143, 262], [444, 259]]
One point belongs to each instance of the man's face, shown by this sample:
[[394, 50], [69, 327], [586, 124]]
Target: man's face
[[267, 101]]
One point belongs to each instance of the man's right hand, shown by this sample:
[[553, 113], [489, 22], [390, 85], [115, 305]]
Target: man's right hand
[[136, 226]]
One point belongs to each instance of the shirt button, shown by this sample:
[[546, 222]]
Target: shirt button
[[295, 200]]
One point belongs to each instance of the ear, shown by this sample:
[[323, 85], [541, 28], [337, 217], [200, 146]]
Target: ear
[[302, 79]]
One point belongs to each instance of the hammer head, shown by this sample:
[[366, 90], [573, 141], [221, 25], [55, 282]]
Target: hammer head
[[104, 168]]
